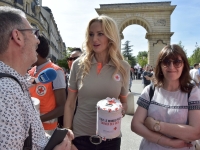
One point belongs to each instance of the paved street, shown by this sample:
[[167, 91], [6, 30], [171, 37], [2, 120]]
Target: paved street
[[130, 140]]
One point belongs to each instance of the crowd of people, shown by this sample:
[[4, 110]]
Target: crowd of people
[[168, 107]]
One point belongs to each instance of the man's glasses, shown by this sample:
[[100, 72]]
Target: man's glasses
[[72, 58], [177, 63], [35, 31]]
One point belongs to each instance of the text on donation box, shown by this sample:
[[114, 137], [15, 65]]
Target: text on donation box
[[109, 118]]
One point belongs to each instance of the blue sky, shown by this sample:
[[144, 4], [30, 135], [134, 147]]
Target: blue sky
[[72, 17]]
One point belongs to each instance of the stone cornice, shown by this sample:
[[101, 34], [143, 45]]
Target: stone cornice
[[139, 9], [167, 3], [135, 7], [159, 35]]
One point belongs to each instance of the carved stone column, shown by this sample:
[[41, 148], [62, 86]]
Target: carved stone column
[[156, 41]]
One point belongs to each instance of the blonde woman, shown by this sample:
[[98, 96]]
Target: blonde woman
[[99, 73]]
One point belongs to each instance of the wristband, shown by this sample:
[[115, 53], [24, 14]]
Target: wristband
[[68, 128], [159, 138]]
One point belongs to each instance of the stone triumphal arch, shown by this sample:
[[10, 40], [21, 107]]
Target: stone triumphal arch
[[153, 16]]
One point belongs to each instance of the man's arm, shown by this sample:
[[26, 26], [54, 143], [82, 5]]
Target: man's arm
[[60, 97]]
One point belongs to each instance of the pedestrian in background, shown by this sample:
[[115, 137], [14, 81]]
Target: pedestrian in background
[[131, 78], [99, 73], [169, 118], [146, 75], [19, 119], [135, 73], [194, 73]]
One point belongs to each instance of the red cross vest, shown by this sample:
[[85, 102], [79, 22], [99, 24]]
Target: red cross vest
[[45, 93]]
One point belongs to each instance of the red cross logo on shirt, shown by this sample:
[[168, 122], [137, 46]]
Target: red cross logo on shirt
[[41, 90], [117, 77], [115, 128]]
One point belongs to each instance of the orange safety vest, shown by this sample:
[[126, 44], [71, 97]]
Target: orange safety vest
[[45, 93]]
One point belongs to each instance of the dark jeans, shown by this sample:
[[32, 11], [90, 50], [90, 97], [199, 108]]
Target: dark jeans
[[83, 143]]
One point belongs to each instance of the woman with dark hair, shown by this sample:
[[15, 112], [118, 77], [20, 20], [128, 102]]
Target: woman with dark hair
[[169, 120]]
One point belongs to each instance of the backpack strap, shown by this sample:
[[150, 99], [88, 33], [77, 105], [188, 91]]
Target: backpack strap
[[28, 140], [189, 95], [10, 76], [151, 91], [188, 107]]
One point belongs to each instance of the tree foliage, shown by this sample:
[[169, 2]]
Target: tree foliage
[[195, 58], [142, 58], [63, 62], [183, 47], [127, 49], [127, 53]]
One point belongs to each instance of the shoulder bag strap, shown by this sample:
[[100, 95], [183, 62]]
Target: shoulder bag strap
[[10, 76], [28, 140]]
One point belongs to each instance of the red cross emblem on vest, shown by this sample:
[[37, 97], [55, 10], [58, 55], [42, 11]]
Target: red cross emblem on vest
[[41, 90]]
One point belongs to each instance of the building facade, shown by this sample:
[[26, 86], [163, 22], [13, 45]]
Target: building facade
[[42, 18]]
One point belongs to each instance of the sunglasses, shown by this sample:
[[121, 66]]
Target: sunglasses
[[35, 31], [177, 63], [72, 58]]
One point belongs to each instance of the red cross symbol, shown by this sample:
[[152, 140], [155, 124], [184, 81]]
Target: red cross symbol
[[41, 89], [117, 77], [104, 139], [115, 128], [110, 102]]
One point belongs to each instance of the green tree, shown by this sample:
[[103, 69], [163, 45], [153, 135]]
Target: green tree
[[127, 53], [63, 62], [132, 61], [127, 49], [142, 58], [195, 58], [183, 47]]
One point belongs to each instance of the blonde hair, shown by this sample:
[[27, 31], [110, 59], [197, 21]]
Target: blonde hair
[[111, 31]]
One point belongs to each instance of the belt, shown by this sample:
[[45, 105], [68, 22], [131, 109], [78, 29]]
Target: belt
[[96, 139]]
